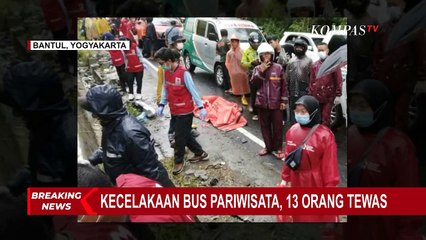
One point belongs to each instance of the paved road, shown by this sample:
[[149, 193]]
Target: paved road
[[236, 149], [229, 146]]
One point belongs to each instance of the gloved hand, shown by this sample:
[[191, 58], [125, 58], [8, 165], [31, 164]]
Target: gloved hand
[[203, 114], [160, 111], [96, 157]]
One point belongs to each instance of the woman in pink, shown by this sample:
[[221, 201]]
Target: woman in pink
[[237, 74]]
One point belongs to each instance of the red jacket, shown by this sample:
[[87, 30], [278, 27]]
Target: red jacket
[[391, 163], [133, 62], [318, 167], [326, 88], [272, 87], [117, 57], [134, 180], [178, 96]]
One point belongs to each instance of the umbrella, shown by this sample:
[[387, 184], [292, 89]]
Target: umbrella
[[408, 25], [336, 60]]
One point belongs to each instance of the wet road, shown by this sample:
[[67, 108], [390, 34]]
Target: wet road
[[230, 147], [235, 151]]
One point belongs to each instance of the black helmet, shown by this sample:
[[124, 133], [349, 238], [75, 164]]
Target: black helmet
[[254, 37], [301, 42]]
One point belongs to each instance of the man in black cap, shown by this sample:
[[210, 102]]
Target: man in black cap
[[126, 144]]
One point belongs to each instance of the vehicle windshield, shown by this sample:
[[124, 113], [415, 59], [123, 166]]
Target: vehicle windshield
[[317, 40], [243, 33], [166, 21]]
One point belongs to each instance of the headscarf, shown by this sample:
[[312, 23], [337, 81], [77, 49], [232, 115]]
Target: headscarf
[[312, 106], [378, 97]]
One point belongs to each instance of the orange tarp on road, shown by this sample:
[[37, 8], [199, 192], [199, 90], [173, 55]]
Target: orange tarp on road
[[223, 114]]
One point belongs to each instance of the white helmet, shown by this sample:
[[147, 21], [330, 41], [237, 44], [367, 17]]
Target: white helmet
[[264, 48]]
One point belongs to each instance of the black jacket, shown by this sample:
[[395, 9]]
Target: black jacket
[[127, 145]]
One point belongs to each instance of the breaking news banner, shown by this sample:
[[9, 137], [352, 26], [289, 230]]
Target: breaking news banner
[[44, 45], [226, 201]]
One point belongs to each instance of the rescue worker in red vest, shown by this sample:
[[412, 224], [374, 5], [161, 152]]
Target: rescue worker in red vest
[[179, 91], [124, 26], [271, 99], [117, 58], [134, 68], [326, 88]]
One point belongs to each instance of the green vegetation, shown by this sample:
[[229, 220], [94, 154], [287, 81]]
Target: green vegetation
[[182, 179], [79, 36], [273, 26], [83, 56], [133, 110]]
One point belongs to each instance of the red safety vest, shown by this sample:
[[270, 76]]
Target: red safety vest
[[117, 57], [123, 26], [133, 62], [178, 96]]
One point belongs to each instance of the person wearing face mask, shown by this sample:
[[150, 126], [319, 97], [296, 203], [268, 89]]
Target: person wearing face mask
[[297, 74], [171, 32], [272, 99], [126, 145], [326, 88], [177, 42], [159, 56], [379, 155], [318, 165], [249, 61], [180, 93]]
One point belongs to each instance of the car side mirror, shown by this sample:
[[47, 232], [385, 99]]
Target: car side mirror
[[212, 37], [310, 48]]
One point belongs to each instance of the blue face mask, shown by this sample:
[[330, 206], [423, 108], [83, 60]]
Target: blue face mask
[[362, 119], [303, 119]]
